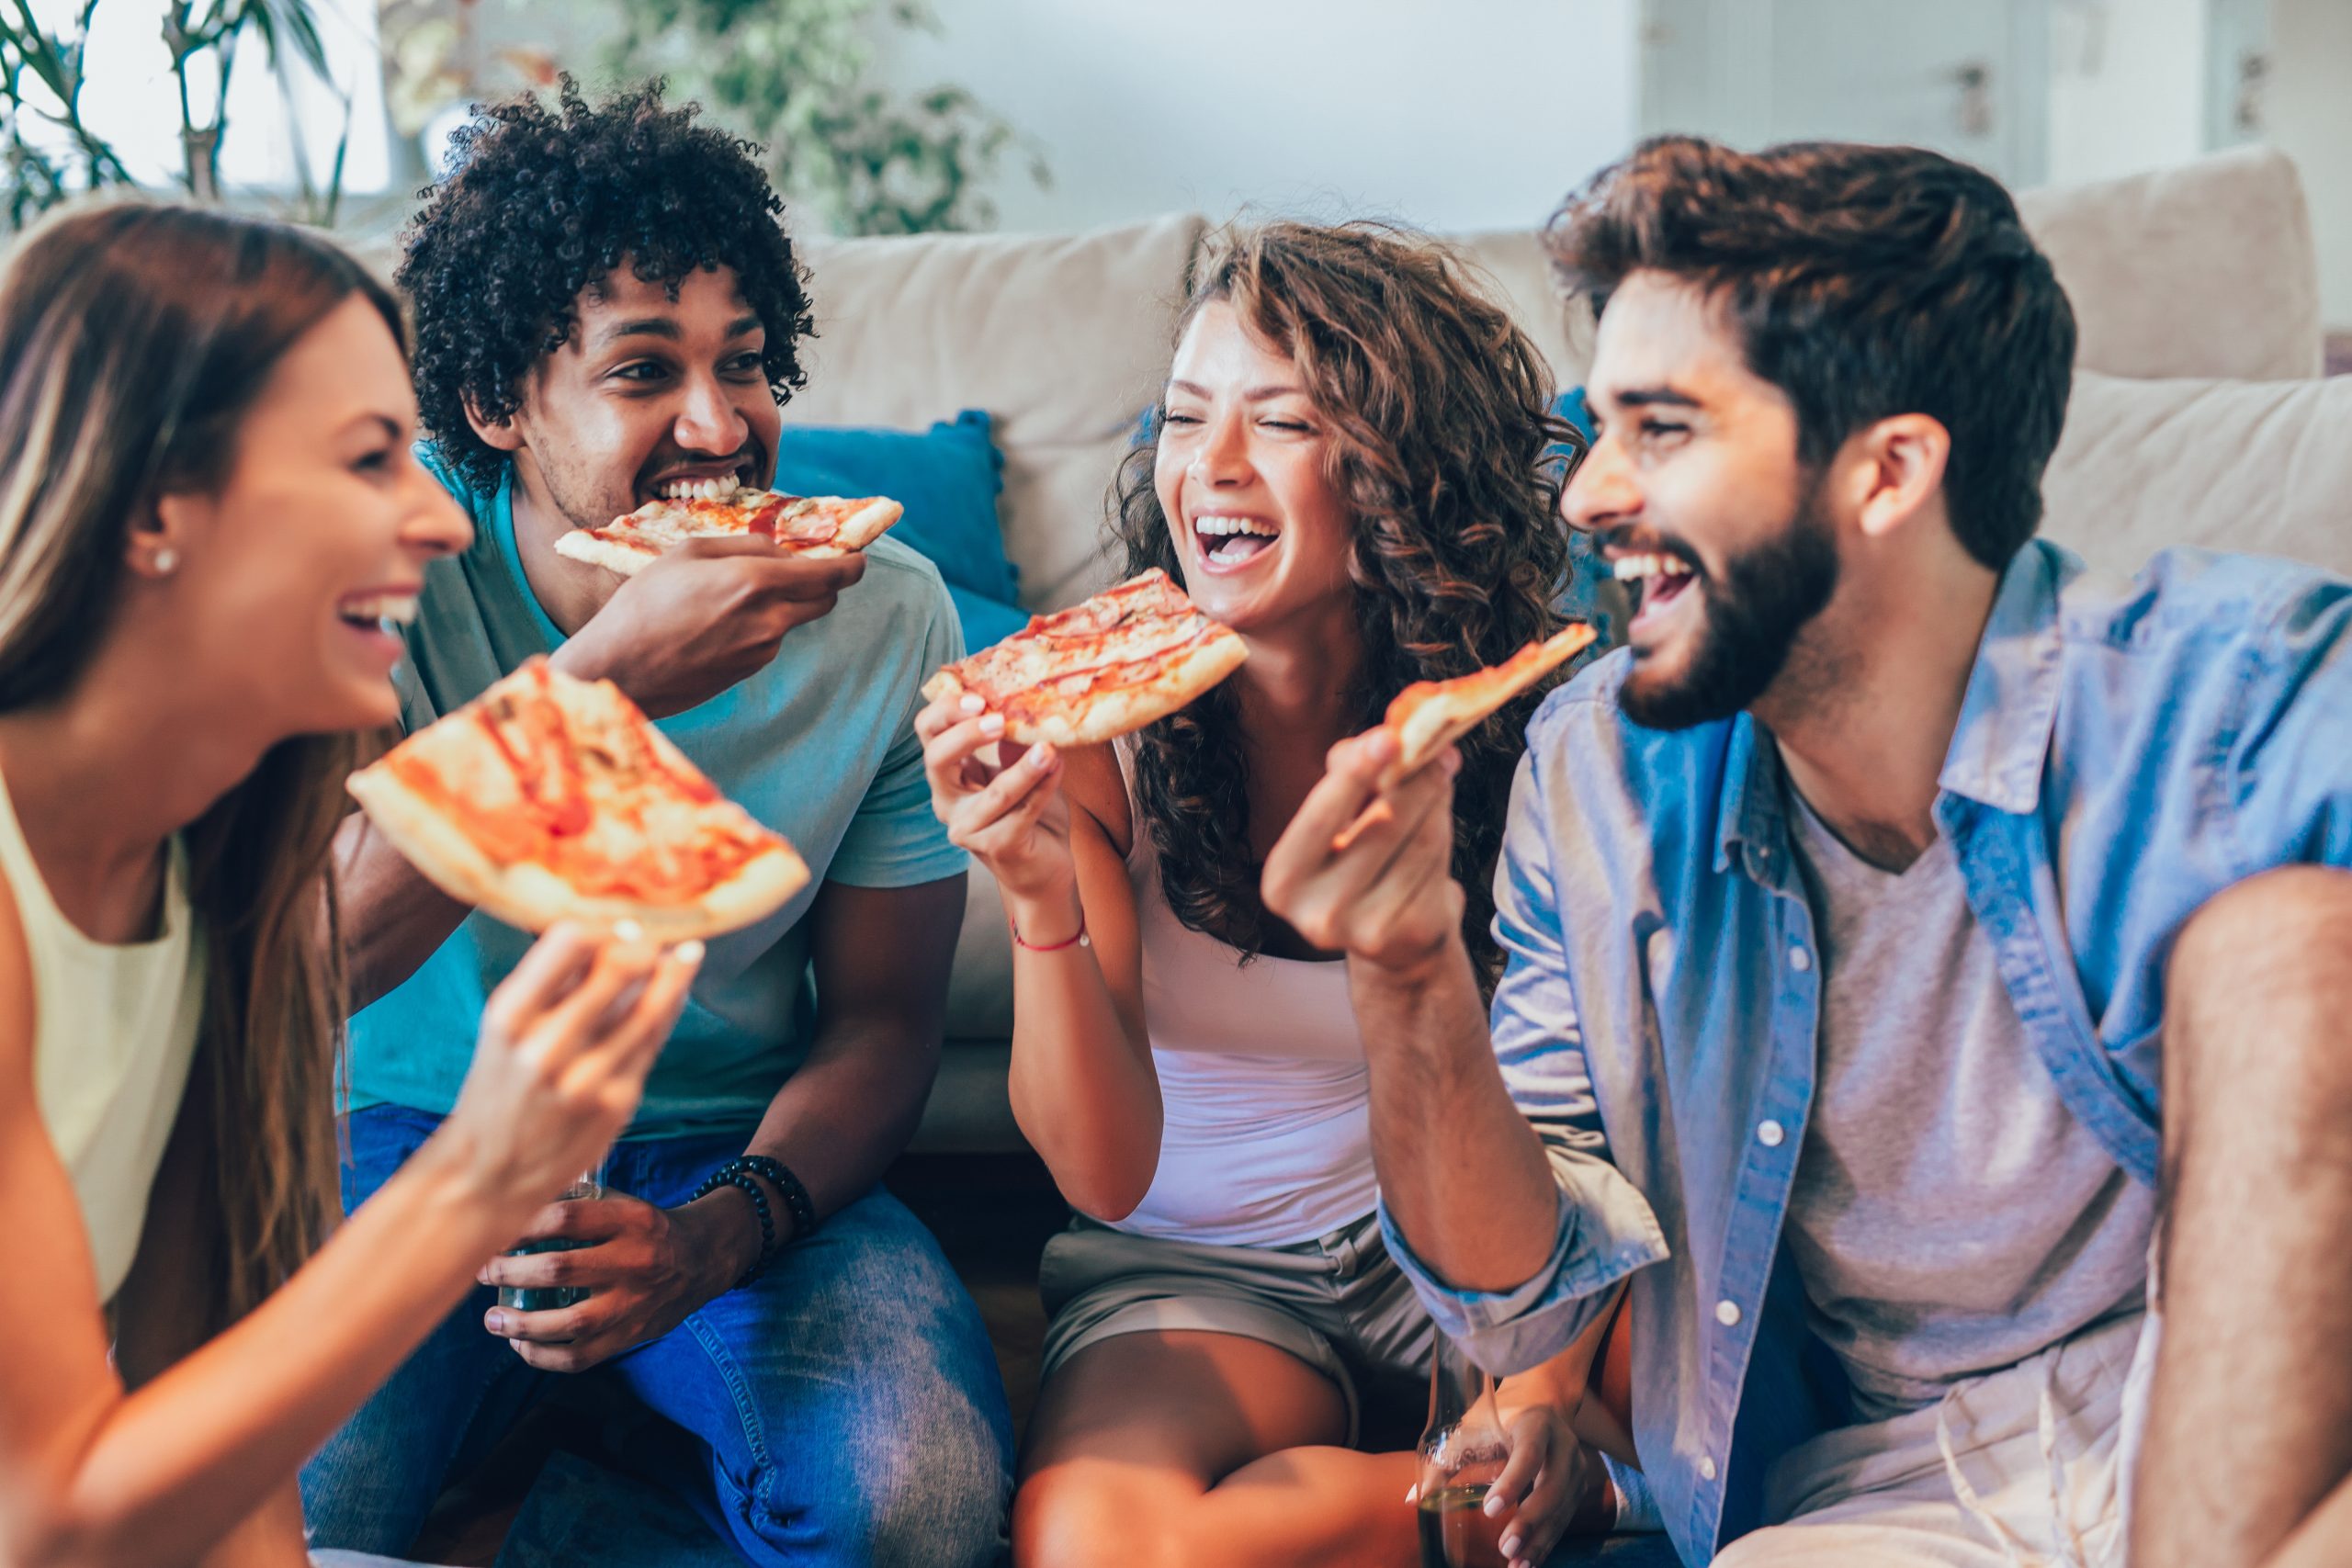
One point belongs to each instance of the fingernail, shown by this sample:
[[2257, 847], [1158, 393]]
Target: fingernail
[[1508, 1546], [1043, 756], [1413, 1493], [495, 1322], [690, 951], [992, 724], [628, 930], [1493, 1506], [1380, 748], [971, 704]]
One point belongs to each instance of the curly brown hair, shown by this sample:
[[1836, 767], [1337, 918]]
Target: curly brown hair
[[1444, 446]]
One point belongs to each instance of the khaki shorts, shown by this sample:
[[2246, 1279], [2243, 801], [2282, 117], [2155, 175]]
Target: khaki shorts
[[1339, 1304]]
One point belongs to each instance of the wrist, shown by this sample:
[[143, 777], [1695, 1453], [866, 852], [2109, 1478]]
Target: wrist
[[1050, 918], [460, 1193], [723, 1232], [1410, 966]]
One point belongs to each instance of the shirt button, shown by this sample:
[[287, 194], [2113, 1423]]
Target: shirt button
[[1769, 1133], [1727, 1314], [1800, 960], [1706, 1469]]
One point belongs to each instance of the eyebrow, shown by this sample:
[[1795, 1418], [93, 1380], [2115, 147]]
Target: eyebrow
[[663, 327], [391, 425], [1654, 397], [1254, 395]]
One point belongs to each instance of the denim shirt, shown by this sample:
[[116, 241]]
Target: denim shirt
[[2123, 751]]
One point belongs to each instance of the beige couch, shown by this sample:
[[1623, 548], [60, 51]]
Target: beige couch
[[2195, 419]]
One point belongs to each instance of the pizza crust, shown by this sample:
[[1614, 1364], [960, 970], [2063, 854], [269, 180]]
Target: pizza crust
[[611, 554]]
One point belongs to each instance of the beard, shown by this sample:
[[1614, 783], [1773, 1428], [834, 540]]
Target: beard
[[1749, 618]]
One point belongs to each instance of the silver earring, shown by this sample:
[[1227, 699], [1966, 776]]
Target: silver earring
[[167, 561]]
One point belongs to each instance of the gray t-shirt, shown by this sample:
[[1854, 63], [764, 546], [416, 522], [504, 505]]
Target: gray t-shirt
[[1949, 1215]]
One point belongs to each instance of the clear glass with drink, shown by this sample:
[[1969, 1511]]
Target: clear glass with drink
[[589, 1184], [1462, 1454]]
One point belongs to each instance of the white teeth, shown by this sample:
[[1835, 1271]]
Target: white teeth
[[388, 610], [700, 490], [1220, 526], [1627, 568]]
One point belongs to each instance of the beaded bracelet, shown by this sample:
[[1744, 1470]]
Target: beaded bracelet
[[797, 1202], [732, 1174]]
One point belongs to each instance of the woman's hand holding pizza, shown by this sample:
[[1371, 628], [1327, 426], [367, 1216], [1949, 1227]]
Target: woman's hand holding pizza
[[1388, 898], [566, 1042], [1011, 816]]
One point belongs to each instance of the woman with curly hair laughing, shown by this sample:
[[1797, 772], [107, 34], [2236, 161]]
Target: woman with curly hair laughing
[[1352, 466]]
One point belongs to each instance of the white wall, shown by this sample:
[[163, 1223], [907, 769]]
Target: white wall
[[2308, 112], [2127, 86], [1449, 114]]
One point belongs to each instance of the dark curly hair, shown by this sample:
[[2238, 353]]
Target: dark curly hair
[[550, 200], [1863, 281], [1443, 446]]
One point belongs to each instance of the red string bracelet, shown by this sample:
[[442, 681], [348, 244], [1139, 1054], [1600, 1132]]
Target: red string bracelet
[[1078, 941]]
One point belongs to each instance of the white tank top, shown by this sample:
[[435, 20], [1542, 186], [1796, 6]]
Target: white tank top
[[1266, 1137], [114, 1031]]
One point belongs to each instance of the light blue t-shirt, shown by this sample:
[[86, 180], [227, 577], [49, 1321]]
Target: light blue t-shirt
[[820, 746]]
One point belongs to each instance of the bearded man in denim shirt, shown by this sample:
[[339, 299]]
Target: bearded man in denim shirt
[[1865, 913]]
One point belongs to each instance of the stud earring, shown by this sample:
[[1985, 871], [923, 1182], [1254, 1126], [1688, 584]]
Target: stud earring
[[167, 561]]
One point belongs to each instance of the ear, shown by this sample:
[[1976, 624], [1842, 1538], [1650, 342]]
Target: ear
[[1902, 470], [160, 533], [499, 435]]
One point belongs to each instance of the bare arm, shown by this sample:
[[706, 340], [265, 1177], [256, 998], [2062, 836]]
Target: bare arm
[[1049, 826], [99, 1474], [881, 957], [1083, 1087], [1461, 1170]]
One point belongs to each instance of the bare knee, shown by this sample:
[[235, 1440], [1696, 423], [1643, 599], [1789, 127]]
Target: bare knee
[[1088, 1515]]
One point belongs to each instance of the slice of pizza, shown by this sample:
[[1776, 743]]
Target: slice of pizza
[[549, 798], [1127, 656], [1428, 716], [816, 526]]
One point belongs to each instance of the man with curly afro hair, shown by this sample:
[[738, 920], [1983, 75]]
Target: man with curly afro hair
[[608, 308]]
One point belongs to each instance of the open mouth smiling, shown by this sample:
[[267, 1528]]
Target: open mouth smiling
[[1229, 541]]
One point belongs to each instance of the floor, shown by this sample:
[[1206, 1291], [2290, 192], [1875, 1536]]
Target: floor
[[991, 1214]]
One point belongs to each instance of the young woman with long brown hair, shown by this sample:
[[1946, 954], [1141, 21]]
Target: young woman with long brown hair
[[1349, 467], [207, 509]]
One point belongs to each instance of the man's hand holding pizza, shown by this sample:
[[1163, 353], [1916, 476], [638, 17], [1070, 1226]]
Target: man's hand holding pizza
[[1387, 899], [646, 1270], [706, 615]]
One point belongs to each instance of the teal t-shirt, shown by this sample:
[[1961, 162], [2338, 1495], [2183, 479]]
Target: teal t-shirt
[[820, 746]]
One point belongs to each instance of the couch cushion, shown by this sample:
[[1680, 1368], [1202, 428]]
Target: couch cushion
[[1060, 337], [2206, 269], [2262, 467]]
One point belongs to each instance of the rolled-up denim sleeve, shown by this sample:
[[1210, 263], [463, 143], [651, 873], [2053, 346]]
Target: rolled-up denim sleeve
[[1604, 1228]]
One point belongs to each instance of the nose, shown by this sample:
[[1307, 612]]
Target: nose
[[1603, 490], [1222, 458], [709, 420], [435, 526]]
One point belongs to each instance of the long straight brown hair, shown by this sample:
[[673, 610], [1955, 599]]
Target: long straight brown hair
[[133, 339]]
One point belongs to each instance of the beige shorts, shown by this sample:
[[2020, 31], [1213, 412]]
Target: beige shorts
[[1339, 1304]]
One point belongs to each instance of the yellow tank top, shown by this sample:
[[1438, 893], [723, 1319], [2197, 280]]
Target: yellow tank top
[[114, 1031]]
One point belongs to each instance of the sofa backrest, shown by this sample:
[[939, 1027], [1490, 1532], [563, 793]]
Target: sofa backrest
[[2206, 270]]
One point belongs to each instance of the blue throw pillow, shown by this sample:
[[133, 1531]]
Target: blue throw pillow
[[947, 478]]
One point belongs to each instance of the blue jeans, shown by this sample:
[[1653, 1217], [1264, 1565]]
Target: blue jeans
[[845, 1408]]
